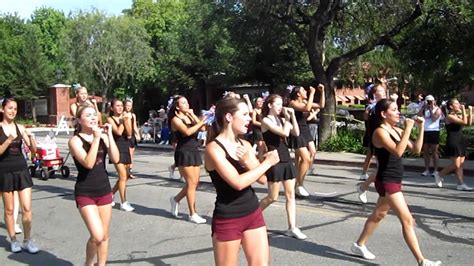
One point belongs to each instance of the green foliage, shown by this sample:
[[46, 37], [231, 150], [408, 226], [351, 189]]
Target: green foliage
[[345, 141], [436, 52], [108, 51], [24, 70]]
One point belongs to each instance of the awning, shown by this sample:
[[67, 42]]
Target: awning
[[341, 98], [362, 98], [350, 97]]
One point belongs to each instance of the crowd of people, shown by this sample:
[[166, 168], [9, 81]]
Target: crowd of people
[[234, 159]]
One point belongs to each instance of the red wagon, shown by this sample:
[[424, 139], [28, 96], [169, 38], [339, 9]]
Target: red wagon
[[47, 161]]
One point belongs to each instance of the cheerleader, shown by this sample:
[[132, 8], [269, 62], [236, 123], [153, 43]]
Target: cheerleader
[[135, 133], [256, 127]]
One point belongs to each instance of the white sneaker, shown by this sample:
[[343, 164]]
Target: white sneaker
[[296, 233], [463, 187], [301, 191], [174, 207], [113, 200], [426, 262], [171, 172], [364, 177], [30, 246], [15, 246], [438, 180], [18, 229], [126, 207], [435, 173], [362, 251], [426, 173], [362, 194], [195, 218]]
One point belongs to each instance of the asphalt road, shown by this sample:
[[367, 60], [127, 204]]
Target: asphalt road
[[332, 217]]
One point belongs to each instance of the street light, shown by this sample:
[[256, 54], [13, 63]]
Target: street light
[[59, 75]]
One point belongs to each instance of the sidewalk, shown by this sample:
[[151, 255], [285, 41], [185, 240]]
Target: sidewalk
[[349, 159], [327, 158]]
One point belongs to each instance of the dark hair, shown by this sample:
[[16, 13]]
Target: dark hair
[[4, 103], [270, 100], [381, 106], [447, 108], [294, 92], [173, 107], [111, 112], [223, 107]]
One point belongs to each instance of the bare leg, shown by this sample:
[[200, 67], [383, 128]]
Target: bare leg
[[273, 191], [398, 204], [121, 184], [191, 174], [255, 245], [381, 209], [26, 216]]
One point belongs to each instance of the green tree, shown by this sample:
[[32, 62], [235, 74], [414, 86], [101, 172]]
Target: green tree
[[336, 32], [52, 26], [438, 50], [24, 70], [108, 51]]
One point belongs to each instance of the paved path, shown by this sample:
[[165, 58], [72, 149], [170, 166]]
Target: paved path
[[149, 236]]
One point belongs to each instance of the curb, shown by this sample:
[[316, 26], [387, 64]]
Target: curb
[[320, 161]]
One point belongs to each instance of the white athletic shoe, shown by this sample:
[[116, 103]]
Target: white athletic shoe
[[362, 251], [15, 246], [174, 207], [364, 177], [126, 207], [301, 191], [426, 173], [464, 187], [18, 229], [438, 180], [426, 262], [296, 233], [362, 194], [30, 246], [195, 218]]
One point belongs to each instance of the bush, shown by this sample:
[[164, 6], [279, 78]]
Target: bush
[[345, 140]]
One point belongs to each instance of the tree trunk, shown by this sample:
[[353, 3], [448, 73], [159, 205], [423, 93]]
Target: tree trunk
[[105, 100]]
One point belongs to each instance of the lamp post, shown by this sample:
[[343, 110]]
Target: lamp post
[[59, 75]]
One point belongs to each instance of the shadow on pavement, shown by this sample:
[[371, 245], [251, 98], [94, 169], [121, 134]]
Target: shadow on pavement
[[41, 258]]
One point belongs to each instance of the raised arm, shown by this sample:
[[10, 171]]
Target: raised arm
[[117, 130], [86, 159], [178, 125]]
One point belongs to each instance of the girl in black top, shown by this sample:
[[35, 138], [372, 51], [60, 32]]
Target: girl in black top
[[185, 125], [257, 127], [82, 98], [304, 146], [135, 133], [92, 190], [122, 131], [14, 175], [276, 131], [456, 119], [390, 142], [233, 167]]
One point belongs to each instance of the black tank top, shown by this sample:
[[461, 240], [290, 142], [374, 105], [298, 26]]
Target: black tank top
[[390, 167], [186, 142], [300, 119], [92, 182], [232, 203], [122, 140], [275, 142], [12, 160]]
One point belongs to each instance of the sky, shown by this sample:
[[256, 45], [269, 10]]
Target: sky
[[26, 7]]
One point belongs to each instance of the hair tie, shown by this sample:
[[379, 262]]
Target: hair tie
[[290, 88], [265, 95]]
